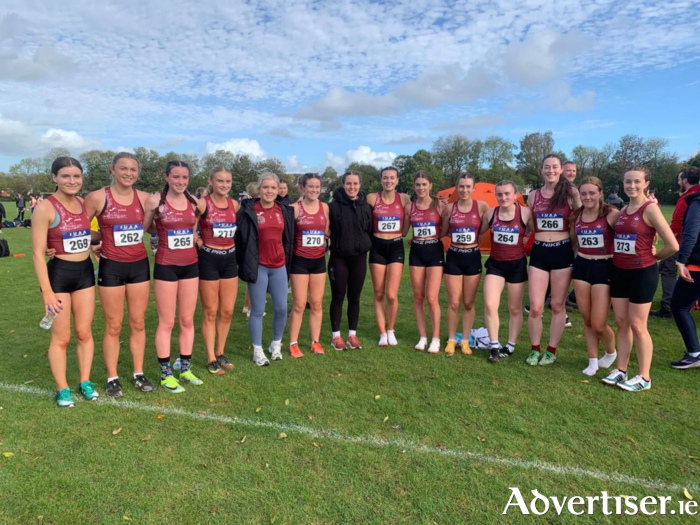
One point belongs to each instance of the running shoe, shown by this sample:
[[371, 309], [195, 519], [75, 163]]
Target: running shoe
[[383, 341], [259, 357], [614, 377], [64, 399], [422, 343], [214, 368], [189, 377], [338, 344], [391, 338], [636, 384], [494, 355], [450, 348], [275, 350], [224, 362], [172, 385], [688, 361], [526, 308], [534, 358], [143, 384], [114, 388], [547, 359], [567, 324], [434, 347], [353, 342], [245, 310], [87, 390], [504, 353], [294, 351], [317, 349], [466, 349]]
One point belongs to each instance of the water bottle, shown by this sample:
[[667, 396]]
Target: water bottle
[[177, 365], [47, 321]]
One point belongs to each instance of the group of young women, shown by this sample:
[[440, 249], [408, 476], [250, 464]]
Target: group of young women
[[206, 244]]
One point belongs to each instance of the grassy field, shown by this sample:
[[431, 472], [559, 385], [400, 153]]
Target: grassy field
[[372, 436]]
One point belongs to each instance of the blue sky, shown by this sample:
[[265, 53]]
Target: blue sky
[[328, 83]]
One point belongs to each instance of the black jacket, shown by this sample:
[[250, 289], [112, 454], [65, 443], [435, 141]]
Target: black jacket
[[689, 252], [351, 224], [248, 242]]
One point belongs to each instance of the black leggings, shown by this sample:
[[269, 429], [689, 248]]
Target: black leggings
[[347, 276]]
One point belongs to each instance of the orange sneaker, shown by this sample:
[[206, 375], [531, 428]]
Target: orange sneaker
[[294, 351], [466, 350], [338, 343], [354, 342], [317, 349], [450, 348]]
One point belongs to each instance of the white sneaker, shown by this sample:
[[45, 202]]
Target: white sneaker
[[391, 338], [275, 350], [636, 384], [259, 357], [422, 343], [382, 340], [434, 347]]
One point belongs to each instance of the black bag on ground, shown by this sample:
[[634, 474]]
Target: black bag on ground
[[4, 248], [8, 224]]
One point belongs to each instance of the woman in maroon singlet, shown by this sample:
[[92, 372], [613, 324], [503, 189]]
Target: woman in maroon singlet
[[426, 258], [591, 226], [67, 282], [462, 222], [124, 271], [386, 257], [634, 277], [176, 272], [218, 270], [308, 271], [505, 267]]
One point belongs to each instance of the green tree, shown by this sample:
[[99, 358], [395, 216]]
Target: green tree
[[331, 179], [152, 167], [369, 175], [533, 148], [96, 166]]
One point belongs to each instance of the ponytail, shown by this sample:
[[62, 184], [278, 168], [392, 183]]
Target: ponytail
[[193, 201], [563, 194]]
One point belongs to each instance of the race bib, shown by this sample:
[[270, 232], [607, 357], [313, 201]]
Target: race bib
[[590, 238], [463, 235], [76, 241], [626, 243], [224, 230], [180, 239], [424, 229], [312, 238], [389, 224], [505, 235], [128, 234], [550, 222]]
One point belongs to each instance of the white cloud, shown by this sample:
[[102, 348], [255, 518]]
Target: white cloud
[[561, 99], [71, 140], [248, 147], [361, 155], [294, 165]]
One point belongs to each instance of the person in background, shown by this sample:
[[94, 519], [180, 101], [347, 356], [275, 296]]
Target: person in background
[[3, 214], [21, 203], [688, 180], [687, 290], [569, 171], [615, 200], [283, 194], [67, 282], [654, 200], [251, 192], [32, 203]]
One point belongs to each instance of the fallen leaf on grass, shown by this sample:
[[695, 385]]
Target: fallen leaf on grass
[[386, 419], [160, 416], [397, 427], [258, 410], [481, 438], [243, 440], [211, 399], [8, 454], [441, 446], [689, 457], [116, 431], [311, 418], [585, 381], [494, 382], [112, 444], [377, 397], [25, 356], [316, 445], [212, 511], [631, 439], [147, 437], [40, 519], [12, 331], [687, 494], [282, 435], [126, 518], [29, 382], [201, 412]]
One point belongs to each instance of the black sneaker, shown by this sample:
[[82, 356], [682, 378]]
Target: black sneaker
[[224, 362], [143, 384], [662, 313], [505, 353], [527, 309], [494, 355], [688, 361], [114, 388], [567, 324]]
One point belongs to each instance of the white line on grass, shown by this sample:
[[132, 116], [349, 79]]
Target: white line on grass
[[404, 445]]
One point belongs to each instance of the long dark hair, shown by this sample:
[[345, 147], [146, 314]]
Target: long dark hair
[[563, 191], [163, 194], [427, 176], [64, 162]]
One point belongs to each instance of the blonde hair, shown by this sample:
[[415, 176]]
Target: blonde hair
[[252, 189], [212, 172], [266, 175]]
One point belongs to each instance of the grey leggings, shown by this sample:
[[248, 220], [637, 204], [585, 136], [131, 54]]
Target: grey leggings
[[273, 280]]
